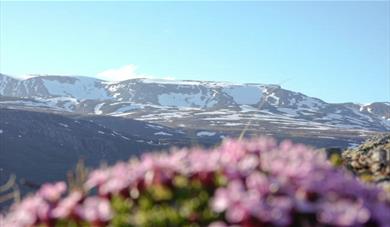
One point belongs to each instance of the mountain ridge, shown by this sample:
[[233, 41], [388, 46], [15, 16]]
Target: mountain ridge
[[137, 98]]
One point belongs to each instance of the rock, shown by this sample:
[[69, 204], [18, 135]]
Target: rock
[[372, 158]]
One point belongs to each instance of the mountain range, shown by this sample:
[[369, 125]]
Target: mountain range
[[49, 121], [173, 102]]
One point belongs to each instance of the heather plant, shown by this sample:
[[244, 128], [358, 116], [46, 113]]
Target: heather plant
[[240, 183]]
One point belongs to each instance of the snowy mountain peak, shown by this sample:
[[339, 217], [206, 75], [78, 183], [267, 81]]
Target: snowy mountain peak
[[50, 86]]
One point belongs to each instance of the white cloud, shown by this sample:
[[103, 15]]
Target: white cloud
[[123, 73]]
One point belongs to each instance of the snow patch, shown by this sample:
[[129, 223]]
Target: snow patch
[[82, 88], [97, 108], [175, 82], [129, 107], [233, 124], [205, 133], [162, 133], [181, 100], [155, 126], [244, 94], [64, 125]]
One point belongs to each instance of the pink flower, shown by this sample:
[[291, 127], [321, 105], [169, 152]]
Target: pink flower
[[52, 192], [97, 178], [27, 213], [218, 224], [67, 207], [343, 212], [96, 210]]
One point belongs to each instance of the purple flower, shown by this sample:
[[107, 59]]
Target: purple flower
[[343, 212]]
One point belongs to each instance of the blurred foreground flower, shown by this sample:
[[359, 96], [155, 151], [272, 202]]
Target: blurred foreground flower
[[240, 183]]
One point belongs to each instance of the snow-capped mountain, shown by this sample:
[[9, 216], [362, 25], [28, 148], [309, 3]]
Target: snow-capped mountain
[[192, 103]]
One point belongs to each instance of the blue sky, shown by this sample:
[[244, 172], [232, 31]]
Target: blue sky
[[336, 51]]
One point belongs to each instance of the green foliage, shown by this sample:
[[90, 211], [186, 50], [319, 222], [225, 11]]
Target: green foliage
[[184, 203], [336, 159]]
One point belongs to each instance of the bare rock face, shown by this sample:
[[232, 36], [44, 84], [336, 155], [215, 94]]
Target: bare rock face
[[371, 160]]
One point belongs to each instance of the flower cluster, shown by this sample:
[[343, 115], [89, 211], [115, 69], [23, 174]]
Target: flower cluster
[[47, 207], [240, 183]]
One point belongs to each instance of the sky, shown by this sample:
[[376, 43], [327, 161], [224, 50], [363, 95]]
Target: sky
[[335, 51]]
